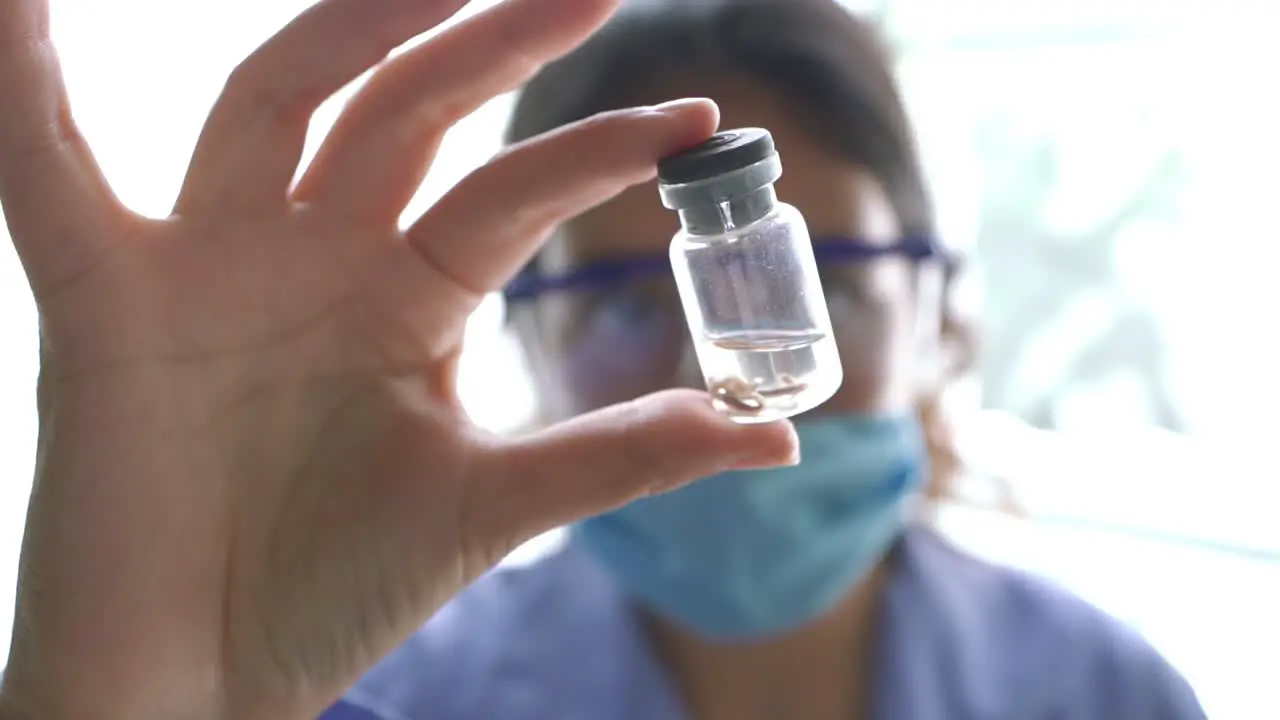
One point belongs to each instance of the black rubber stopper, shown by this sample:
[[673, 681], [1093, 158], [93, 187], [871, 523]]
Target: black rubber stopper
[[722, 153]]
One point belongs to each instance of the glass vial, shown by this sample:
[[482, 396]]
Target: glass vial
[[748, 280]]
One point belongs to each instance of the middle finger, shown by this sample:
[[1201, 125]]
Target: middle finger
[[374, 160], [249, 149]]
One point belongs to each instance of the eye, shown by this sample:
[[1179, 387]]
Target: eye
[[628, 343], [847, 284], [623, 311], [631, 319]]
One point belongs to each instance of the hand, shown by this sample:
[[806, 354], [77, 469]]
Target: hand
[[254, 474]]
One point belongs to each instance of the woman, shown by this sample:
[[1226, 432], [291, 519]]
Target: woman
[[805, 592]]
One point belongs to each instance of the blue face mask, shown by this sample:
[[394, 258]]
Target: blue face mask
[[747, 554]]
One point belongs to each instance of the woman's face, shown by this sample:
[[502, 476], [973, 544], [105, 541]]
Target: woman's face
[[610, 343]]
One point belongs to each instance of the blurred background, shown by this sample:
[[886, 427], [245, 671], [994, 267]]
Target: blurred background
[[1111, 169]]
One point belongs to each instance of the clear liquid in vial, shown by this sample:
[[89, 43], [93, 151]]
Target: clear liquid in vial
[[762, 376]]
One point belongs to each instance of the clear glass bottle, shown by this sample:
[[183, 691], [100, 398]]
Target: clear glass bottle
[[748, 280]]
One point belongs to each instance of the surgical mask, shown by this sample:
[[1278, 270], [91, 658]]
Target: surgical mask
[[748, 554]]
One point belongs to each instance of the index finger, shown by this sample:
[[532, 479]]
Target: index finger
[[54, 197], [490, 224]]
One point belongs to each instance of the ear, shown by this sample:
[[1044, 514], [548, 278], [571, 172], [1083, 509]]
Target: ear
[[957, 353], [953, 345], [959, 346], [959, 341], [945, 463]]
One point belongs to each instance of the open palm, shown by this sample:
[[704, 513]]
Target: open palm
[[254, 474]]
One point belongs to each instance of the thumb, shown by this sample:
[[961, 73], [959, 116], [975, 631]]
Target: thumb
[[605, 459]]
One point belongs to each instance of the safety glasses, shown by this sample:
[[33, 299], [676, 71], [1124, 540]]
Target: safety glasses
[[620, 330]]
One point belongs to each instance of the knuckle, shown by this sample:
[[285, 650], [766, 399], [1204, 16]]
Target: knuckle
[[649, 440], [260, 86], [604, 126]]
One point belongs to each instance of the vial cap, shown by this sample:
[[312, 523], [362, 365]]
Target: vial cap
[[722, 153]]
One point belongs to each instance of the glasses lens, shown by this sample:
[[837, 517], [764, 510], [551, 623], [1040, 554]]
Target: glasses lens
[[630, 338], [626, 341]]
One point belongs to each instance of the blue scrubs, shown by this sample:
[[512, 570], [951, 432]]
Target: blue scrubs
[[960, 639]]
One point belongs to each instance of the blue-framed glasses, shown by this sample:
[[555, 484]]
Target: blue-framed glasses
[[531, 283], [620, 331]]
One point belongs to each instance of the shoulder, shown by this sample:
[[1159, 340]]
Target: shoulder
[[1062, 654], [501, 648]]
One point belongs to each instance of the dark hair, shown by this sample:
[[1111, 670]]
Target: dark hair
[[830, 63]]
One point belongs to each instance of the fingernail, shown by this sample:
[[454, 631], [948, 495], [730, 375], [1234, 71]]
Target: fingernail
[[675, 107], [758, 461], [794, 441], [794, 458]]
